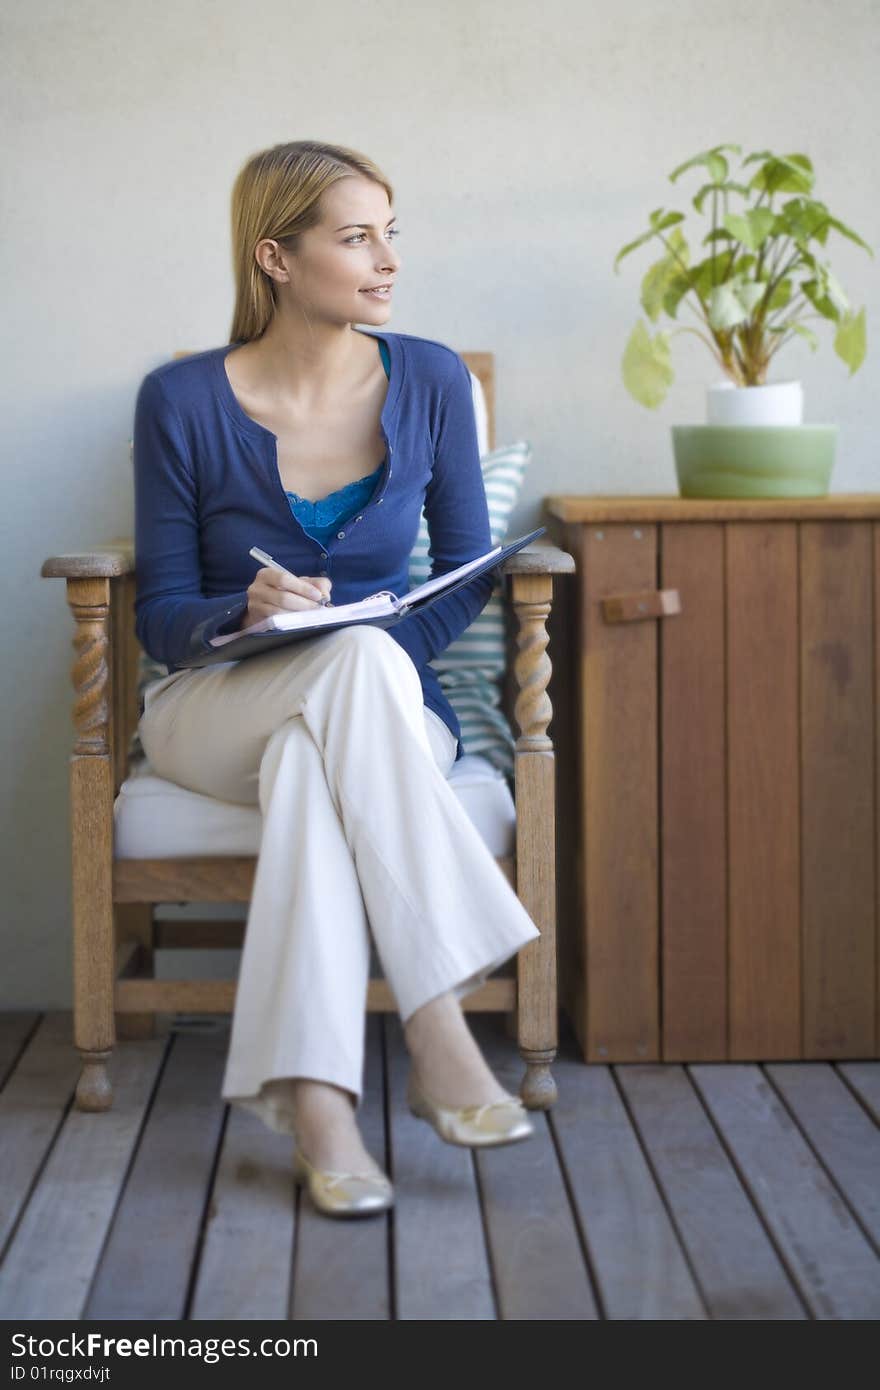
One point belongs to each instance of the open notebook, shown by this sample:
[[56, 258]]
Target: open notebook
[[382, 609]]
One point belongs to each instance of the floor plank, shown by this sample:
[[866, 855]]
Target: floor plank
[[341, 1267], [732, 1258], [440, 1258], [33, 1104], [244, 1268], [864, 1080], [539, 1266], [52, 1261], [16, 1028], [826, 1253], [146, 1265], [637, 1264], [840, 1133]]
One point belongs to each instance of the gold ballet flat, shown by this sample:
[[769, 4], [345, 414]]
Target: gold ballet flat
[[343, 1194], [498, 1122]]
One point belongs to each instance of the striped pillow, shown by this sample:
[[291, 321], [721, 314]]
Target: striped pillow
[[472, 668]]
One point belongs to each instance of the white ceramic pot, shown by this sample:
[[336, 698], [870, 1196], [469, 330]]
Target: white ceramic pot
[[779, 403]]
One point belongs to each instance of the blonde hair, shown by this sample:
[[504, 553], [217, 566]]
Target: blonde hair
[[277, 194]]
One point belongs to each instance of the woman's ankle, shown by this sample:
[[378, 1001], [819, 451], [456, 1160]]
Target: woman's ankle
[[446, 1057], [326, 1127]]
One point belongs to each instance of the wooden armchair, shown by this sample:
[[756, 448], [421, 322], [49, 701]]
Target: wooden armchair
[[115, 933]]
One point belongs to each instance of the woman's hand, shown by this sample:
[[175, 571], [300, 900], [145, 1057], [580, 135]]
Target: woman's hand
[[274, 591]]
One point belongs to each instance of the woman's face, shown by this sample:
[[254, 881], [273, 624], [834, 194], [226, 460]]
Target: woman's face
[[349, 251]]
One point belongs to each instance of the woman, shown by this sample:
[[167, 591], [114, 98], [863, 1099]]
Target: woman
[[321, 444]]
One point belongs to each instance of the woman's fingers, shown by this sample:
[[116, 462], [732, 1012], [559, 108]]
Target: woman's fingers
[[291, 587]]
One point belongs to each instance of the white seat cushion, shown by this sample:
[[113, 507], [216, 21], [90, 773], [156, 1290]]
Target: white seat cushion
[[157, 819]]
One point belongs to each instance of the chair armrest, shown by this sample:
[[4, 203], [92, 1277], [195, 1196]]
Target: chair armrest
[[539, 558], [110, 561]]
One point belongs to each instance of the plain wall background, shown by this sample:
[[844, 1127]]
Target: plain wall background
[[526, 145]]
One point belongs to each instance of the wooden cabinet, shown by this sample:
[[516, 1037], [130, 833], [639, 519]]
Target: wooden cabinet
[[716, 687]]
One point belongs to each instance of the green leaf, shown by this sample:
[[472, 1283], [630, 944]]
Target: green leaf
[[725, 308], [676, 289], [780, 296], [853, 236], [804, 332], [710, 273], [850, 340], [647, 370], [713, 160], [752, 228], [815, 292], [631, 246], [726, 187], [805, 219], [749, 293], [659, 222], [662, 273], [835, 290], [781, 173]]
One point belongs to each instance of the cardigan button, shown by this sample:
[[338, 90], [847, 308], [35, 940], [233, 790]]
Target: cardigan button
[[340, 535]]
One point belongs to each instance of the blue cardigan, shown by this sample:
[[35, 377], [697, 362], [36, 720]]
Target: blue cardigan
[[207, 488]]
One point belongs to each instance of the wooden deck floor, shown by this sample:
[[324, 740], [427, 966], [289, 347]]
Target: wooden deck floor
[[650, 1191]]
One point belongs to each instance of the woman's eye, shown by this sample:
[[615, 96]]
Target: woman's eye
[[395, 231]]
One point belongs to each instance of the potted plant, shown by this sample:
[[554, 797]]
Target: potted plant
[[750, 291]]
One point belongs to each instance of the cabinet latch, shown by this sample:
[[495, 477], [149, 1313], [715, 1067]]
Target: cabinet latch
[[632, 608]]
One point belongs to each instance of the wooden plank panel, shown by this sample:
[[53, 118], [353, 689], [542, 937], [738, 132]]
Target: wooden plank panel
[[32, 1106], [540, 1271], [838, 830], [693, 812], [826, 1254], [636, 1262], [840, 1131], [145, 1267], [737, 1267], [619, 680], [763, 791], [341, 1268], [52, 1260], [440, 1262]]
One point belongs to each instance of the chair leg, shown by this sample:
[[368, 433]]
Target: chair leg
[[93, 972], [538, 1088], [537, 1021], [94, 1090]]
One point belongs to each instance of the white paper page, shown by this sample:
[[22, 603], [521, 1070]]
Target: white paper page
[[430, 585], [373, 606]]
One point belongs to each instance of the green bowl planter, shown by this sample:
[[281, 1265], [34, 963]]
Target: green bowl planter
[[754, 460]]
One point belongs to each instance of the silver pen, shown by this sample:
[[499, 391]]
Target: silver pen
[[273, 564]]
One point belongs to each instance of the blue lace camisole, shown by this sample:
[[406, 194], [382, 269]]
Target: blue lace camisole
[[322, 518]]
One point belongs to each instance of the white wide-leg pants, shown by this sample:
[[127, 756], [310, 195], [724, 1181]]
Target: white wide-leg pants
[[361, 834]]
